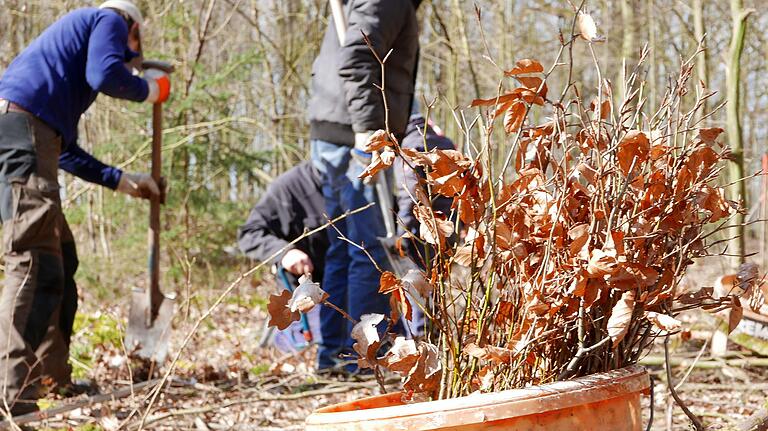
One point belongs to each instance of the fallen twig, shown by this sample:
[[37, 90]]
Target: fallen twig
[[68, 407], [708, 364], [758, 421]]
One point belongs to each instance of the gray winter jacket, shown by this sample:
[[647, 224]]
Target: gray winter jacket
[[344, 98]]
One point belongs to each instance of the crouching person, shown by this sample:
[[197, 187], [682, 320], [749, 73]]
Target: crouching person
[[292, 205], [43, 94]]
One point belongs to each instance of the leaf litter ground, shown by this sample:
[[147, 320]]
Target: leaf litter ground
[[226, 381]]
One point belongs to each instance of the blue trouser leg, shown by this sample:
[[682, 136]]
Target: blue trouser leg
[[332, 324], [351, 279], [363, 229]]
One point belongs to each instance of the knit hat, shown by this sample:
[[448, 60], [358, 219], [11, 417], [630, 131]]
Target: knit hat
[[125, 6]]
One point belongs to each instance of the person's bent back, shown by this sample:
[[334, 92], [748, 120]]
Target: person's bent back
[[292, 205]]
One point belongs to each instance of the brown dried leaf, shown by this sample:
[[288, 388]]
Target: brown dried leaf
[[434, 228], [306, 296], [379, 162], [514, 118], [696, 298], [505, 313], [402, 357], [701, 162], [663, 321], [633, 151], [578, 287], [710, 135], [474, 248], [448, 174], [531, 82], [389, 283], [425, 376], [602, 263], [524, 67], [400, 304], [621, 316], [498, 355], [588, 28], [579, 236], [485, 379], [605, 108], [713, 200], [416, 282], [633, 275], [498, 100], [366, 336], [594, 291], [378, 140], [280, 316], [735, 315]]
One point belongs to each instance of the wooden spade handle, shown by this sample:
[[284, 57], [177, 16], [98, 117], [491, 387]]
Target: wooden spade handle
[[154, 296]]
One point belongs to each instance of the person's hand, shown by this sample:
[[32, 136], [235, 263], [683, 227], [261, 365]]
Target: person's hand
[[361, 140], [297, 262], [140, 186], [358, 152], [159, 85], [134, 66]]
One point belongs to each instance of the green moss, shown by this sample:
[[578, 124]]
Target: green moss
[[249, 301], [100, 329], [45, 403], [259, 369]]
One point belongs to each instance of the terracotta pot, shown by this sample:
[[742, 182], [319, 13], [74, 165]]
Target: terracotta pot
[[605, 401]]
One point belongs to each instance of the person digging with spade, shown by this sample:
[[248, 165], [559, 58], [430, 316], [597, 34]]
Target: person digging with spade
[[43, 94]]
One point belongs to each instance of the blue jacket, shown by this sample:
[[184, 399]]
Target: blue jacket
[[59, 75]]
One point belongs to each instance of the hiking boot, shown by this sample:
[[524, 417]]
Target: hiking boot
[[23, 407]]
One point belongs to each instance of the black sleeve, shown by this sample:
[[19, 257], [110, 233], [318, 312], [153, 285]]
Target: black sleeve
[[381, 21], [266, 231]]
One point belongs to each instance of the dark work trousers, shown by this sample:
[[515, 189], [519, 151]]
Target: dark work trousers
[[39, 296]]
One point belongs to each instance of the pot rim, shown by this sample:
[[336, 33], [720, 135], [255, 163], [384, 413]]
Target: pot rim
[[497, 405]]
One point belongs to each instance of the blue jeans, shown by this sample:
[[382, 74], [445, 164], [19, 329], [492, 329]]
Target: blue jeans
[[351, 279]]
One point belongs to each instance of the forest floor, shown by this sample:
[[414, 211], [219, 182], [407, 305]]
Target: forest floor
[[225, 381]]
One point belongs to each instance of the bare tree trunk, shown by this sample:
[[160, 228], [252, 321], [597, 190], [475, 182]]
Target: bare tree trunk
[[702, 62], [652, 67], [736, 167], [627, 46]]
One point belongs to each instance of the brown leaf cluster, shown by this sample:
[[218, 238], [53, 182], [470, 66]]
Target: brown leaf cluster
[[579, 246], [284, 309]]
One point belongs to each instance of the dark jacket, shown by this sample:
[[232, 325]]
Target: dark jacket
[[405, 176], [292, 203], [345, 99], [60, 74]]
